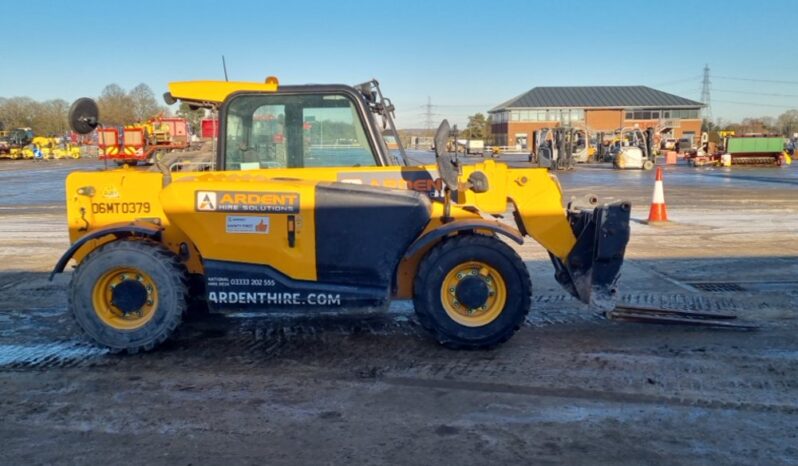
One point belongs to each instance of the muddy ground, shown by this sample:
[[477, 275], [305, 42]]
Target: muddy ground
[[570, 388]]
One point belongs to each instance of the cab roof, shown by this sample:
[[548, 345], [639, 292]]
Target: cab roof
[[215, 92]]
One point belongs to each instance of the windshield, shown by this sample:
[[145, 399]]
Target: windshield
[[293, 131]]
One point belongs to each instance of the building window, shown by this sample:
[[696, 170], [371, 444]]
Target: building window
[[641, 114], [500, 117], [686, 113]]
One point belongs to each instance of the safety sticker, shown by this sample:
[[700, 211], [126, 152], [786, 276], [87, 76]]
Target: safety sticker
[[247, 201], [249, 224]]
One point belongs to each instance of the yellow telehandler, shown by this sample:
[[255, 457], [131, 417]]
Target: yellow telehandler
[[307, 207]]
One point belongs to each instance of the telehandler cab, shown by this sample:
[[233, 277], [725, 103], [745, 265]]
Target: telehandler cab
[[306, 207]]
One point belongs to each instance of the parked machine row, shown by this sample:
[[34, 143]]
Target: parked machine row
[[20, 143]]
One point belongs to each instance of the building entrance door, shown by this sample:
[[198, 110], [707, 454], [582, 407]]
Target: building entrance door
[[520, 141]]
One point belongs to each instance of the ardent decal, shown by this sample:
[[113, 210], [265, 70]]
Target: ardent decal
[[423, 181], [247, 201]]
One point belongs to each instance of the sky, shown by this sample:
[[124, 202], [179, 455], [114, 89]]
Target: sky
[[464, 56]]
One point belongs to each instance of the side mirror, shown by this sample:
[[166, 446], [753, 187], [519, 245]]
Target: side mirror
[[84, 116], [441, 137], [446, 164], [168, 99]]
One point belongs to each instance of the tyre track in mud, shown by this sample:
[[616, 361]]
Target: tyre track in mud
[[580, 355], [578, 393], [569, 388], [259, 336]]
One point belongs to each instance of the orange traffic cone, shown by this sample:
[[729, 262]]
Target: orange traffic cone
[[658, 212]]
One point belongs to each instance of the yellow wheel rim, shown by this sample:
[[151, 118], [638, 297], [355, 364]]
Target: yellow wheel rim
[[480, 315], [106, 289]]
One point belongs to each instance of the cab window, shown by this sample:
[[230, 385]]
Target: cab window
[[294, 131]]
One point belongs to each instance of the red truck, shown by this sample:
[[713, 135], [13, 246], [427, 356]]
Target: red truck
[[141, 143]]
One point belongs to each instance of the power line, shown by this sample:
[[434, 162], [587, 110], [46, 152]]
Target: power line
[[678, 81], [775, 81], [756, 104], [755, 93], [463, 105], [456, 106]]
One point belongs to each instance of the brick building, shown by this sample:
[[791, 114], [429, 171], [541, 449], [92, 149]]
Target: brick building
[[597, 108]]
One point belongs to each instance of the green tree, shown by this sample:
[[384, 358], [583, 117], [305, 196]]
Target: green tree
[[478, 127]]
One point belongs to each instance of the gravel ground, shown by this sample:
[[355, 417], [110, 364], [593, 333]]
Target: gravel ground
[[570, 388]]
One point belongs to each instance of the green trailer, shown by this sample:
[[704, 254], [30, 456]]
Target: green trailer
[[755, 145], [756, 150], [743, 150]]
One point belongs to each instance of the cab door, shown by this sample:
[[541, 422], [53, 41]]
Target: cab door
[[310, 129], [255, 222]]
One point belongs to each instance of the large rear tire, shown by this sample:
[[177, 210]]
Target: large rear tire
[[129, 295], [472, 292]]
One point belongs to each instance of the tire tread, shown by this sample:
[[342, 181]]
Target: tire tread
[[426, 267], [179, 280]]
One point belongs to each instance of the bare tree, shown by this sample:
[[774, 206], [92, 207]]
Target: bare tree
[[116, 106], [788, 122], [19, 112], [50, 119], [144, 104], [756, 125]]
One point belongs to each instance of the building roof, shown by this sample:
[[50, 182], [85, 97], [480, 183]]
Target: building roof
[[596, 97]]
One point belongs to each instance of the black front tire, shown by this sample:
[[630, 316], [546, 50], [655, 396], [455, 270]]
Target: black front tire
[[151, 259], [451, 253]]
